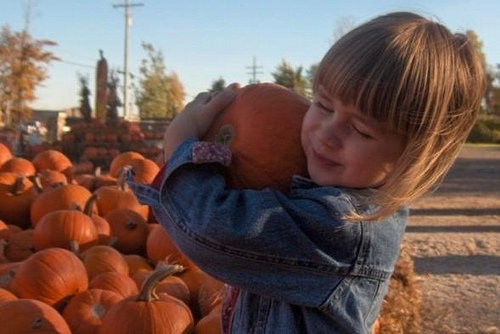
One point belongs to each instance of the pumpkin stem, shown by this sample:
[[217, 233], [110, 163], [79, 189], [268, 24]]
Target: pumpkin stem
[[75, 206], [37, 323], [97, 171], [89, 205], [225, 135], [36, 183], [131, 225], [74, 246], [18, 186], [121, 178], [147, 293]]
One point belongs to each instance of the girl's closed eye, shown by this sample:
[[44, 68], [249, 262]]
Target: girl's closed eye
[[363, 133]]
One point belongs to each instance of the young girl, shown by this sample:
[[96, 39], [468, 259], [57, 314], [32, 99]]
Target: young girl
[[394, 99]]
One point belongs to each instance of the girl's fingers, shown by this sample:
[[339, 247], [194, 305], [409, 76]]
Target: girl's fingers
[[220, 101]]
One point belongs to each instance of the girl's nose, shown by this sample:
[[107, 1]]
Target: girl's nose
[[331, 133]]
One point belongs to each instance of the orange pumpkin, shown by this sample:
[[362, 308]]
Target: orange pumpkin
[[16, 197], [147, 313], [60, 198], [18, 165], [160, 247], [137, 262], [61, 228], [6, 295], [49, 177], [121, 160], [145, 170], [101, 224], [130, 229], [122, 284], [262, 128], [5, 154], [52, 159], [20, 246], [110, 198], [101, 258], [209, 324], [51, 275], [195, 279], [31, 316], [85, 311]]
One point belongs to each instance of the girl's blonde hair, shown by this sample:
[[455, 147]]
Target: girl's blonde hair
[[425, 81]]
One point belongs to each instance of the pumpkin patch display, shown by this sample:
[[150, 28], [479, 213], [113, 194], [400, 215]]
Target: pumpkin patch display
[[262, 128]]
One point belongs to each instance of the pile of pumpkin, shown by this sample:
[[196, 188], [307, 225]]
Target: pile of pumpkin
[[79, 254]]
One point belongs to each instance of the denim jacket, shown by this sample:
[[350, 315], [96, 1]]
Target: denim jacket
[[298, 267]]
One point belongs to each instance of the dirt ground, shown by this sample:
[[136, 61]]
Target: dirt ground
[[454, 238]]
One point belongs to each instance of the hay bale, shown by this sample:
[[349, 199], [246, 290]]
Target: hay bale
[[401, 306]]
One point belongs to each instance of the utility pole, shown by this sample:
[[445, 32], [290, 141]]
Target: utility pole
[[254, 71], [128, 22]]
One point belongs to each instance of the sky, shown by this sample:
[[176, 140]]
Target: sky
[[203, 40]]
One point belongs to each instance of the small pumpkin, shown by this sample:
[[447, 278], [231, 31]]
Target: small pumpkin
[[51, 275], [121, 160], [262, 128], [85, 311], [61, 228], [110, 198], [130, 229], [149, 313], [16, 198], [5, 153], [122, 284], [160, 247], [6, 295], [145, 170], [18, 165], [20, 246], [52, 159], [31, 316], [101, 258], [60, 198]]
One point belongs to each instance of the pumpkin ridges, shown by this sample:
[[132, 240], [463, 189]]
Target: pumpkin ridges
[[102, 258]]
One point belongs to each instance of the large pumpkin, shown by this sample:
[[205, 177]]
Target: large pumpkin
[[263, 127]]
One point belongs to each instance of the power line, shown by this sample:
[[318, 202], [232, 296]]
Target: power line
[[75, 64]]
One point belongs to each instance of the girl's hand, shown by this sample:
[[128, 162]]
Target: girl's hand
[[196, 118]]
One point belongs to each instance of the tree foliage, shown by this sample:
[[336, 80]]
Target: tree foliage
[[23, 67], [159, 95], [218, 85], [489, 98], [287, 76], [85, 108]]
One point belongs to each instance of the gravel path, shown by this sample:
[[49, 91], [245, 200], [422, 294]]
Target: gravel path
[[454, 238]]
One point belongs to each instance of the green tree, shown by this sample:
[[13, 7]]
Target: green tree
[[159, 95], [85, 108], [23, 67], [489, 97], [287, 76], [218, 85]]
